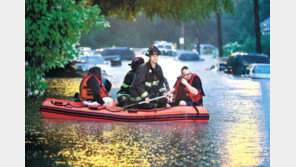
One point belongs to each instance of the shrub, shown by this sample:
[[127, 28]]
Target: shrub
[[231, 47], [53, 29]]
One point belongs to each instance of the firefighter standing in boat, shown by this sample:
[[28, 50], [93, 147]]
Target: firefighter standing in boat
[[149, 82], [123, 96], [92, 90], [188, 89]]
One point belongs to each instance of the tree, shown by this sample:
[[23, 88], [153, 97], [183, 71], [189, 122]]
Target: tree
[[257, 26], [177, 10], [219, 34], [53, 28], [169, 14], [240, 27]]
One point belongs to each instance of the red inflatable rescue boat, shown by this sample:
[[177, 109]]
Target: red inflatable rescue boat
[[64, 109]]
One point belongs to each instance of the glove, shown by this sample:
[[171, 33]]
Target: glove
[[171, 98], [87, 103], [108, 101]]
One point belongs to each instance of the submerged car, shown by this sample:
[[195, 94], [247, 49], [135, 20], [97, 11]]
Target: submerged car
[[188, 56], [259, 70], [125, 53], [220, 64], [141, 53], [168, 53], [164, 45], [86, 62], [207, 49], [238, 63]]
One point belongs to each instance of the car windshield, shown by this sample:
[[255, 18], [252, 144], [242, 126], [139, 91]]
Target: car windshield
[[160, 46], [265, 69], [189, 56], [117, 52], [247, 60], [144, 51], [168, 47], [92, 58], [167, 53], [111, 52]]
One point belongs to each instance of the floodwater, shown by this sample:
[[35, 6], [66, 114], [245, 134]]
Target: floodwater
[[237, 134]]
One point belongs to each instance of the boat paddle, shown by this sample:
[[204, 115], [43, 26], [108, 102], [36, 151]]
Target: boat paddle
[[142, 102]]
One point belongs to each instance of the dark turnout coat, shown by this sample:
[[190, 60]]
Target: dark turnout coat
[[127, 83], [149, 82]]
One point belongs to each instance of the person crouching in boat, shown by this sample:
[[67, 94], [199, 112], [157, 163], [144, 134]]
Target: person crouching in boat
[[149, 82], [123, 96], [188, 89], [92, 89]]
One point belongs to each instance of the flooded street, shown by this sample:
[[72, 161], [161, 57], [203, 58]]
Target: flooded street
[[237, 134]]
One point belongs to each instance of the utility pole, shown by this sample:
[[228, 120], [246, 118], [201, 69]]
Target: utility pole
[[257, 27], [182, 39], [219, 30], [196, 38]]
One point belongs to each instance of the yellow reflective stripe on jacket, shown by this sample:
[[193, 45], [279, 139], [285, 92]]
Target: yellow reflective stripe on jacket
[[144, 94], [161, 89], [148, 84], [155, 82], [136, 98]]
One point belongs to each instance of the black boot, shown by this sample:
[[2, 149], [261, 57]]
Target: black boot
[[76, 97]]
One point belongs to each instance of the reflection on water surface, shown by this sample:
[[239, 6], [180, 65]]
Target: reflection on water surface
[[237, 133]]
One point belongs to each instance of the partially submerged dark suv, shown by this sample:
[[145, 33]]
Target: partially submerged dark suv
[[238, 63], [125, 53]]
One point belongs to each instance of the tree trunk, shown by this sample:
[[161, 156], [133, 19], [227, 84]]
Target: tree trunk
[[219, 30], [257, 27]]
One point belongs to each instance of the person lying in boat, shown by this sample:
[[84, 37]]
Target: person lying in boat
[[149, 82], [123, 96], [92, 89], [188, 89]]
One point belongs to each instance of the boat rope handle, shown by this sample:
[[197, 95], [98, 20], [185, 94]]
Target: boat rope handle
[[196, 110], [58, 103], [69, 105]]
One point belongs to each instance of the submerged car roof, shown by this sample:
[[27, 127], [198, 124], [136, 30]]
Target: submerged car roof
[[123, 48], [247, 54], [186, 52]]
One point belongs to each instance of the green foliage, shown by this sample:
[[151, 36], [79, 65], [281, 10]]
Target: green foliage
[[265, 42], [53, 29], [142, 33], [231, 47], [177, 10], [164, 18], [236, 27], [248, 45]]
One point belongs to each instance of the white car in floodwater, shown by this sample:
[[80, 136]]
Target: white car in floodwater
[[259, 70], [141, 53]]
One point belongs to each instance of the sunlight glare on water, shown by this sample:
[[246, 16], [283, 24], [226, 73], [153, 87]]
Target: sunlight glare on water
[[237, 133]]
